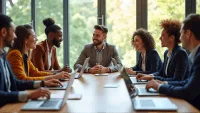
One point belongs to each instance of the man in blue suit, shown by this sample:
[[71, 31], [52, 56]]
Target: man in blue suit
[[188, 89], [12, 89]]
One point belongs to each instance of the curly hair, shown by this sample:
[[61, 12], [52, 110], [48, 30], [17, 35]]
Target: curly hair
[[172, 27], [146, 38]]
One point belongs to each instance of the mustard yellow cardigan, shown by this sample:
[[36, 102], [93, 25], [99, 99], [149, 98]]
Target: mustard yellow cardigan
[[15, 58]]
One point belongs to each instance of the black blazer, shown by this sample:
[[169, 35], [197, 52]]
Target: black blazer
[[16, 86], [189, 91], [178, 67], [153, 62]]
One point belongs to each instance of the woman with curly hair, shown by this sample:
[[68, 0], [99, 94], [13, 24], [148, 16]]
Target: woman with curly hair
[[176, 63], [149, 61]]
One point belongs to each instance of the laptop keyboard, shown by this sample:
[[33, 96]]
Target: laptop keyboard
[[147, 103], [49, 103]]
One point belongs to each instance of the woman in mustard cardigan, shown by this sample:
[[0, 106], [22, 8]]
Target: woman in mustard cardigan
[[21, 65]]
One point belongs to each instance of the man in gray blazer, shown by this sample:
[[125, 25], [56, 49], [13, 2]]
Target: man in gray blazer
[[100, 53]]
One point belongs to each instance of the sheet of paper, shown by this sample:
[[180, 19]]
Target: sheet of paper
[[111, 85], [74, 96], [102, 74]]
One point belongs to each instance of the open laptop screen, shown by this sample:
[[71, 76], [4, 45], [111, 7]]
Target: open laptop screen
[[128, 82]]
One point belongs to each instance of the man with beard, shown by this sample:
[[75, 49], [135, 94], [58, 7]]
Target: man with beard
[[44, 56], [12, 89], [100, 53], [187, 89]]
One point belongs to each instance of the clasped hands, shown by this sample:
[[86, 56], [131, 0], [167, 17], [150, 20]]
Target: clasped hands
[[97, 69]]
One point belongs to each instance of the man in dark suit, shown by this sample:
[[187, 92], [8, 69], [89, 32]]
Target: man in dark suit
[[100, 53], [12, 89], [188, 89]]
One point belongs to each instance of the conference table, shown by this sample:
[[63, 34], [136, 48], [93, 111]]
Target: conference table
[[97, 98]]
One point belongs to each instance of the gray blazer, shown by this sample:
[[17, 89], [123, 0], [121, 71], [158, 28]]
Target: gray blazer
[[90, 51]]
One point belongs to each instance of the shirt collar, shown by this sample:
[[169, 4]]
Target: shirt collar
[[144, 55], [104, 45], [2, 52], [192, 54], [169, 54]]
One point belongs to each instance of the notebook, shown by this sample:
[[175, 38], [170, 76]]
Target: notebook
[[146, 103], [78, 75], [52, 103]]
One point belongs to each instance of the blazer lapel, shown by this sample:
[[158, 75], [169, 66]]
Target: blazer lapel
[[104, 55], [93, 53], [2, 74], [146, 59]]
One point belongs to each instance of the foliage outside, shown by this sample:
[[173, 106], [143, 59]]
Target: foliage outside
[[121, 22]]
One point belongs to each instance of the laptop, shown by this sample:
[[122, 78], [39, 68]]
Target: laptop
[[153, 103], [52, 103], [135, 81], [78, 75], [115, 64], [140, 91], [146, 103], [65, 84]]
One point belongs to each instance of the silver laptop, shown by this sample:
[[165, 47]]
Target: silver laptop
[[65, 84], [135, 81], [146, 103], [138, 91], [153, 103], [115, 64], [52, 103], [78, 75]]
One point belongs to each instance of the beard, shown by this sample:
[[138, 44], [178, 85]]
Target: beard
[[99, 42], [9, 43], [56, 43]]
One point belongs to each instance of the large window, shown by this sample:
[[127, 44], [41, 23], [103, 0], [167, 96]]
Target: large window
[[198, 6], [163, 9], [49, 9], [82, 18], [121, 23], [120, 20], [19, 11]]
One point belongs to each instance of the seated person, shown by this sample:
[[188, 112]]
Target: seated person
[[21, 65], [100, 53], [149, 61], [187, 89], [44, 55], [12, 89], [176, 63]]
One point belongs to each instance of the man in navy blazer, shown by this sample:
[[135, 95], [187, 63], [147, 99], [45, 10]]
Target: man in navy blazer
[[188, 89], [12, 89]]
